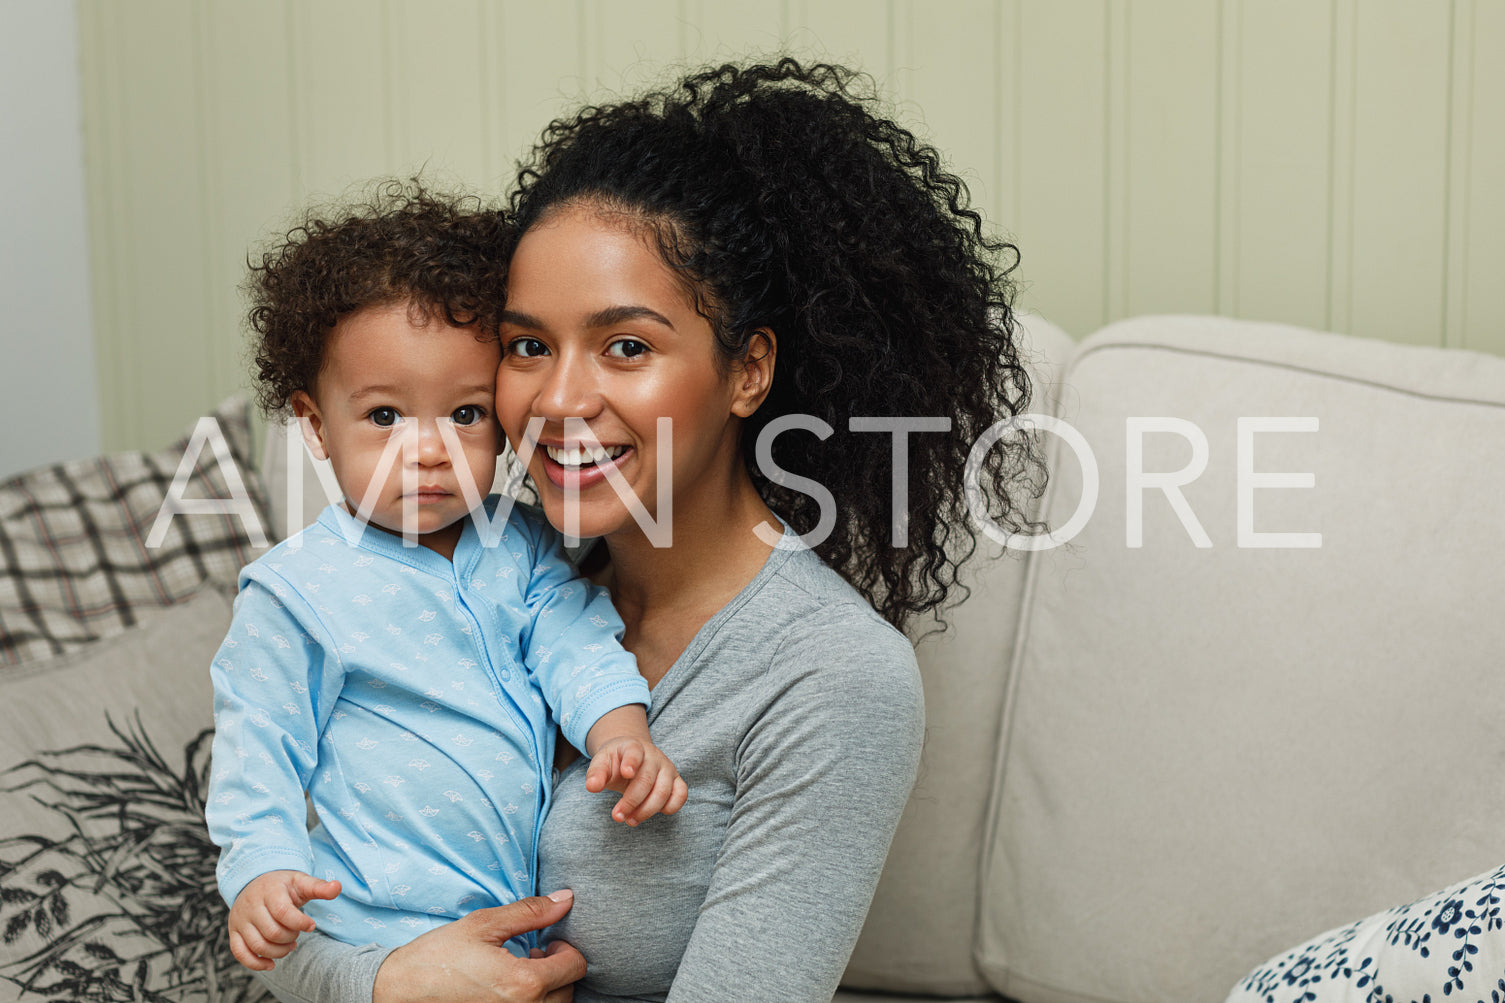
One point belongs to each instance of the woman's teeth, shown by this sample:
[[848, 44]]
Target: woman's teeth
[[579, 456]]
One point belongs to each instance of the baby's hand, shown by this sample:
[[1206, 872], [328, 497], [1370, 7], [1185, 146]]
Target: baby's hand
[[642, 774], [267, 916]]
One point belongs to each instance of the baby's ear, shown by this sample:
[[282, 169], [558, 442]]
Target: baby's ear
[[311, 422]]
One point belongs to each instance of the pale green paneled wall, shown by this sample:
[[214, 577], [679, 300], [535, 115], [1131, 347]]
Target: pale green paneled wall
[[1329, 163]]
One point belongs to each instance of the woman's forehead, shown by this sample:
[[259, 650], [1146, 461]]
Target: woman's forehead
[[582, 263]]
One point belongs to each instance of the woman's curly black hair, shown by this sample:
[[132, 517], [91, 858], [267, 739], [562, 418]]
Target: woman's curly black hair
[[444, 254], [789, 203]]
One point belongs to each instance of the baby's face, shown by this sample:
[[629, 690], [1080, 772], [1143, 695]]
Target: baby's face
[[403, 411]]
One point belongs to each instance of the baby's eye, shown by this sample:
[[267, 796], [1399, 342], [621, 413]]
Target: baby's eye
[[527, 348], [468, 415], [384, 417], [626, 348]]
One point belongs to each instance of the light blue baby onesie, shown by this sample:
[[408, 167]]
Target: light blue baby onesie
[[414, 698]]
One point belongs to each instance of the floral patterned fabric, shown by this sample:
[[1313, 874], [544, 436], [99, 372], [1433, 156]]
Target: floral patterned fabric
[[107, 890], [1446, 946]]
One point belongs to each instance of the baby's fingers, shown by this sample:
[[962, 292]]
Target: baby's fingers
[[289, 921], [633, 797], [660, 797], [631, 762], [602, 771], [266, 939], [245, 955], [305, 888], [678, 798]]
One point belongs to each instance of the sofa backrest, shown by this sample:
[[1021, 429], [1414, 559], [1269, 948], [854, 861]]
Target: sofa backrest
[[920, 931], [1213, 753]]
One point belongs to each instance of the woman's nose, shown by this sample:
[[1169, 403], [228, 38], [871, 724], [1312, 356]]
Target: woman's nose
[[570, 390]]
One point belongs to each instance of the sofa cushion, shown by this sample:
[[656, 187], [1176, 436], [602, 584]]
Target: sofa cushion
[[107, 884], [1449, 940], [1214, 753], [75, 565], [920, 931]]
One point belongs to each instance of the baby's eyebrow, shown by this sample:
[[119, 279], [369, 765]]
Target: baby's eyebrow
[[377, 391], [476, 389]]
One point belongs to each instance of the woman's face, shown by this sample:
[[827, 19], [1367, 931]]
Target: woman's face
[[598, 328]]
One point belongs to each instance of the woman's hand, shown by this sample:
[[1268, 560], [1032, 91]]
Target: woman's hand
[[466, 961]]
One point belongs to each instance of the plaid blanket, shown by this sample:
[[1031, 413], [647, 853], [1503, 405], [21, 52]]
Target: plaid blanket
[[74, 562]]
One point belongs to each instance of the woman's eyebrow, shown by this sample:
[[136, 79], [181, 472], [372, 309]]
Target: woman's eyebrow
[[525, 320], [604, 317], [618, 314]]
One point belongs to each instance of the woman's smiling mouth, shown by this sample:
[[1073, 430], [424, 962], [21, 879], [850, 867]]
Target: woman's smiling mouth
[[576, 457], [580, 466]]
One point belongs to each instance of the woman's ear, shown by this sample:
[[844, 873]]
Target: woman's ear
[[311, 422], [753, 378]]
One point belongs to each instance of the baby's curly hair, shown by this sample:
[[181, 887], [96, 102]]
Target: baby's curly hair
[[789, 202], [445, 254]]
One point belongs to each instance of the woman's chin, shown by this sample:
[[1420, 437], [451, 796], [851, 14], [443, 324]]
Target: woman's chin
[[591, 520], [592, 499]]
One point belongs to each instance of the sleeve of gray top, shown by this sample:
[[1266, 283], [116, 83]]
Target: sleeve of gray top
[[823, 775], [324, 970]]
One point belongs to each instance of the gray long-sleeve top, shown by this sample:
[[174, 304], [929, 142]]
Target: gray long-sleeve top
[[796, 716]]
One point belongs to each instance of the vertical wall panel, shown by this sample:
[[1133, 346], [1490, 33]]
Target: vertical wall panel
[[855, 32], [1330, 163], [1063, 161], [1460, 115], [955, 89], [1116, 160], [1342, 149], [1230, 102], [344, 100], [542, 69], [1172, 157], [440, 108], [496, 160], [728, 30], [1008, 149], [629, 45], [1400, 140], [100, 90], [251, 177], [1282, 162], [161, 247], [1482, 319]]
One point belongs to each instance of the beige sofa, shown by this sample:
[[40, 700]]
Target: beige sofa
[[1150, 768], [1147, 767]]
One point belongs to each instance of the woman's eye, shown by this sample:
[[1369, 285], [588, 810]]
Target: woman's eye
[[467, 415], [384, 417], [627, 348], [527, 348]]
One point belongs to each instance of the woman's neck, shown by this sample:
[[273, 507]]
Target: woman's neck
[[665, 595]]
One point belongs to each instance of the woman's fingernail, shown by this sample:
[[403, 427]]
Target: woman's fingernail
[[563, 895]]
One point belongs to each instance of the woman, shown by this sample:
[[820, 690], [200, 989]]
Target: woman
[[760, 258]]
